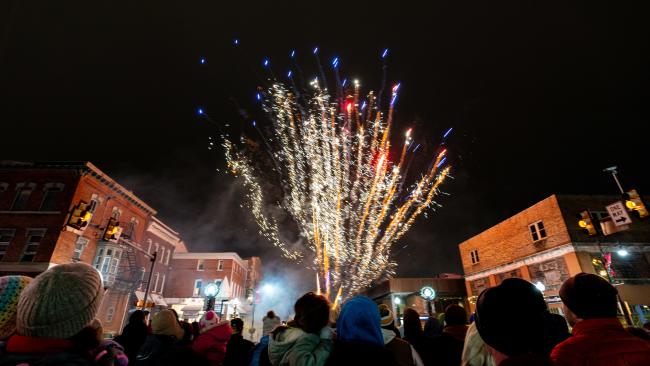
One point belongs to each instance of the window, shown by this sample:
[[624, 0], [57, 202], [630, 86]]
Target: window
[[474, 255], [51, 196], [94, 202], [116, 213], [34, 238], [100, 253], [197, 288], [23, 191], [169, 252], [162, 254], [150, 243], [155, 286], [220, 265], [109, 314], [6, 236], [79, 247], [156, 246], [537, 231], [107, 262], [162, 284], [199, 265]]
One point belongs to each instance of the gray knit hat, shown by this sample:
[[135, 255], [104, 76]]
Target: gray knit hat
[[60, 302]]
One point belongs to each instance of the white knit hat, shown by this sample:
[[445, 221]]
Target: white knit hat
[[60, 302]]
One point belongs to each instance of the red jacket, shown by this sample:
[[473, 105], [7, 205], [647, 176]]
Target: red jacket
[[601, 342], [212, 343]]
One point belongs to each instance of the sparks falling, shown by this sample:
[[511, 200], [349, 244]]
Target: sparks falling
[[341, 185]]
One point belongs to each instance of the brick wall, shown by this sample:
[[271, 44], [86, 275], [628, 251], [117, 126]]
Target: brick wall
[[511, 239], [185, 273]]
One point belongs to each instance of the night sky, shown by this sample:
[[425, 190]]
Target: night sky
[[541, 97]]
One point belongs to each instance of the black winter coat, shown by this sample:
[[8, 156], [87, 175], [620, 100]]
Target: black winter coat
[[348, 353]]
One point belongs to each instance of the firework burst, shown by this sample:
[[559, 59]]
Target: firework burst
[[340, 186]]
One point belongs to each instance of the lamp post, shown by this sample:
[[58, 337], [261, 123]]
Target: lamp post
[[235, 303], [211, 291], [428, 294]]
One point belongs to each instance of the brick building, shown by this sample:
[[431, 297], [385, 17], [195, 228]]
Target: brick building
[[193, 271], [545, 245], [53, 213], [402, 293]]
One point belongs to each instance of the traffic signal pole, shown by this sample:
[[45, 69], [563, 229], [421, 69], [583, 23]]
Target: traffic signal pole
[[146, 291], [621, 303]]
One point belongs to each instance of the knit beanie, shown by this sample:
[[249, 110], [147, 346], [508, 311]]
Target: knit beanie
[[10, 289], [165, 323], [511, 317], [208, 321], [589, 296], [60, 302], [386, 315]]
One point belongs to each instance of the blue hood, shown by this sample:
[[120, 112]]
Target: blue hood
[[359, 322]]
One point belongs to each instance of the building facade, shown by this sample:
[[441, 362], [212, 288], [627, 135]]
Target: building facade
[[544, 244], [192, 272], [401, 293], [53, 213]]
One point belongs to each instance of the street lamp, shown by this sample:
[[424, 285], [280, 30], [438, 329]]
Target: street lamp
[[622, 252], [540, 286], [211, 291], [428, 294], [397, 300], [235, 303]]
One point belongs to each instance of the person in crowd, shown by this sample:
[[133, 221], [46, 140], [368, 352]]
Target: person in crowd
[[53, 318], [513, 320], [448, 346], [403, 353], [432, 327], [475, 351], [195, 330], [10, 289], [109, 352], [238, 350], [387, 320], [306, 340], [414, 334], [134, 334], [590, 305], [260, 354], [214, 337], [188, 333], [359, 340], [163, 346], [269, 322]]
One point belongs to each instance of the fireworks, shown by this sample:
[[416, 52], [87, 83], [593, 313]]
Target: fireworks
[[341, 186]]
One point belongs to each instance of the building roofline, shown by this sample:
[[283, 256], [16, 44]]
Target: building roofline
[[84, 167], [211, 255]]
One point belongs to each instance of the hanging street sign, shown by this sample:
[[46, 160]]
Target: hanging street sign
[[618, 213]]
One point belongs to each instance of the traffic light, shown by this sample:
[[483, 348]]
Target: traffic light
[[635, 204], [80, 216], [586, 223], [111, 229]]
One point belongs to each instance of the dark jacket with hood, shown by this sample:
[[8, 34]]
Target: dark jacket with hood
[[359, 340]]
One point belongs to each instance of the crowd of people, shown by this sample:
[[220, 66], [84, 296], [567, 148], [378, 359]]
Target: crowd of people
[[51, 320]]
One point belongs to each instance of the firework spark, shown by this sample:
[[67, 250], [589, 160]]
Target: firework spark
[[341, 187]]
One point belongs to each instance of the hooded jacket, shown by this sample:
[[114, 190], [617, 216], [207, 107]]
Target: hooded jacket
[[402, 351], [601, 341], [295, 347], [212, 343], [268, 324], [359, 337]]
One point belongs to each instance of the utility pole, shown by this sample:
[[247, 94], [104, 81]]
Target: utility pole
[[146, 291], [621, 303], [613, 170]]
